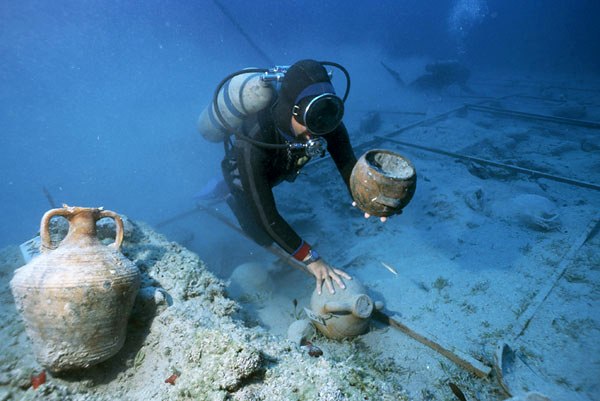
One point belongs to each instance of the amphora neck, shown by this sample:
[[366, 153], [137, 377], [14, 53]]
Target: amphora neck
[[82, 224]]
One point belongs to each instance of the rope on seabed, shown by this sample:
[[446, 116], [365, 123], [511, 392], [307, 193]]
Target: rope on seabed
[[230, 17]]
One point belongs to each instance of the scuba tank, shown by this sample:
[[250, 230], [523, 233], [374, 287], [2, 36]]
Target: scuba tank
[[241, 96]]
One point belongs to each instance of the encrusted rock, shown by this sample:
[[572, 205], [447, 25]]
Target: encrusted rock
[[223, 361], [150, 301], [301, 331]]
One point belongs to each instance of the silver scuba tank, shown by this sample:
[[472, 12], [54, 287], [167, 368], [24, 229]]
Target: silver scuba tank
[[244, 94]]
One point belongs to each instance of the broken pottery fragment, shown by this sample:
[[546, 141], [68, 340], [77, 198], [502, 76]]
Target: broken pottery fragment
[[535, 212]]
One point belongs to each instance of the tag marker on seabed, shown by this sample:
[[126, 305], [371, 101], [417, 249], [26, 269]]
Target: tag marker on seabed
[[390, 268]]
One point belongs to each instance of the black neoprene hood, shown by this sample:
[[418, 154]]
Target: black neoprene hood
[[297, 78]]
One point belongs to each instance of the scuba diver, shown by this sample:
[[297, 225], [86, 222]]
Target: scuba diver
[[441, 75], [438, 77], [269, 143]]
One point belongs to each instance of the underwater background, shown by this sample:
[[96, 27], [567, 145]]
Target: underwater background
[[99, 99]]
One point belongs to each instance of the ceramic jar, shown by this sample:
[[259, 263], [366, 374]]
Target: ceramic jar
[[346, 313], [76, 298], [383, 182]]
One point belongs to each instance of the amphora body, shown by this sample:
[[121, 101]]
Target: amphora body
[[343, 314], [76, 298]]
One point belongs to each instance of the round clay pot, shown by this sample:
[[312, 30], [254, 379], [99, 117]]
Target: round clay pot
[[383, 182], [76, 298]]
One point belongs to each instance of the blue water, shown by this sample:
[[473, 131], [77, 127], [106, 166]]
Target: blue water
[[99, 99]]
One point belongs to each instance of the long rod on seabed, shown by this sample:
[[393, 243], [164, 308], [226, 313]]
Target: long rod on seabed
[[534, 173], [533, 116], [236, 24]]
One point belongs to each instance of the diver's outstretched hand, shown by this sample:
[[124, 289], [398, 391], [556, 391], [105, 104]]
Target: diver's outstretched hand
[[367, 215], [323, 272]]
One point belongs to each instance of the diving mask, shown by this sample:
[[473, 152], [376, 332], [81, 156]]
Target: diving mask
[[318, 108]]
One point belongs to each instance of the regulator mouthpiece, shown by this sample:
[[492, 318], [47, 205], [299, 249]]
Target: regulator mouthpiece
[[312, 148]]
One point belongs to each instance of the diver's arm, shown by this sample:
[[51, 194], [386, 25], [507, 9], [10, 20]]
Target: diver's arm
[[252, 165], [338, 145], [340, 149]]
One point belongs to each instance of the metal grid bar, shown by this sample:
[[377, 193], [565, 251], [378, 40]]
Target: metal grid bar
[[533, 116], [534, 173]]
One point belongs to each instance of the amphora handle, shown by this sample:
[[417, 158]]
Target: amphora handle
[[45, 226], [118, 225], [66, 212]]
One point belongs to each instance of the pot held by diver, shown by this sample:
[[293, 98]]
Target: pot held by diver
[[76, 298], [344, 314], [383, 182]]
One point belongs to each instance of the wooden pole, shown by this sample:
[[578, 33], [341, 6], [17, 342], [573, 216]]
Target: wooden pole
[[460, 358]]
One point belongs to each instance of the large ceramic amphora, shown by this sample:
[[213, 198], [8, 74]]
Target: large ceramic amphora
[[344, 314], [76, 298]]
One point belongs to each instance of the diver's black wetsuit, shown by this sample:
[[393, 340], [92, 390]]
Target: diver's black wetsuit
[[252, 171]]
